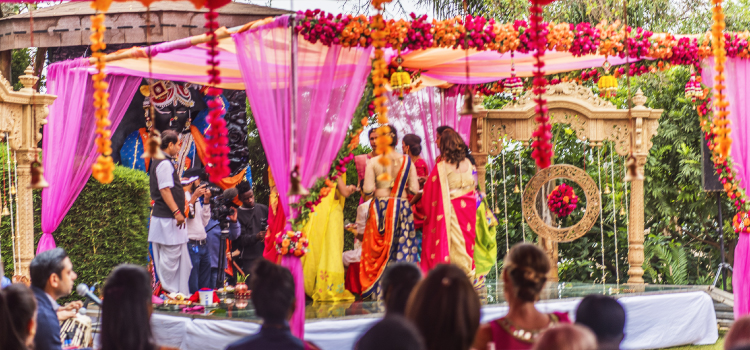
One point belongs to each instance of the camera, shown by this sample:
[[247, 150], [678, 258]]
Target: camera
[[215, 190], [222, 204]]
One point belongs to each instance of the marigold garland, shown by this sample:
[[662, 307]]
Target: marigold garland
[[104, 166], [721, 129], [217, 151], [379, 71]]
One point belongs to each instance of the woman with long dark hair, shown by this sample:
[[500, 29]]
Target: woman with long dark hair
[[446, 309], [9, 338], [21, 306], [450, 203], [126, 310]]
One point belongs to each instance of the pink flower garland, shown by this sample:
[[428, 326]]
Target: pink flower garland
[[542, 147], [217, 162]]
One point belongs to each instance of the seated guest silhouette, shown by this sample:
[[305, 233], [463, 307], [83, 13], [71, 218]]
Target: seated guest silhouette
[[273, 299], [605, 317]]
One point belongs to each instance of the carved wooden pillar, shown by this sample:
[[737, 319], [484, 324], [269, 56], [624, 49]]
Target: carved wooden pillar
[[644, 130], [635, 239], [22, 115]]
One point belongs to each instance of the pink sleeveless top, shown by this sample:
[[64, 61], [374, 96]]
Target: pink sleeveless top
[[506, 341]]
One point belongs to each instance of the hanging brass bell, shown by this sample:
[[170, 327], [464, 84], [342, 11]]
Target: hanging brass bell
[[622, 211], [468, 107], [516, 190], [153, 146], [606, 190], [12, 190], [296, 188], [37, 176], [6, 212], [632, 172], [497, 211]]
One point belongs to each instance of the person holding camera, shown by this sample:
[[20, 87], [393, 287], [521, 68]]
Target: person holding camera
[[199, 212], [253, 218], [167, 232], [213, 232]]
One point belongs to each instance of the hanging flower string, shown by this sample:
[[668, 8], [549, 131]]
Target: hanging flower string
[[721, 129], [379, 70], [216, 136], [542, 147], [104, 166]]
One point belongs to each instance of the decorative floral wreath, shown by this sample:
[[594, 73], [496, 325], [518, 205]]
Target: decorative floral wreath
[[562, 200], [293, 242]]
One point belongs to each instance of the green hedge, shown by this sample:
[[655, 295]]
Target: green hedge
[[107, 226]]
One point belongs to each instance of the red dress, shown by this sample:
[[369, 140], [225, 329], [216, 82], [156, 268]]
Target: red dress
[[504, 339], [418, 209]]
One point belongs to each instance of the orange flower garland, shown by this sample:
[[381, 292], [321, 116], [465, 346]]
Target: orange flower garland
[[721, 129], [379, 71], [104, 166]]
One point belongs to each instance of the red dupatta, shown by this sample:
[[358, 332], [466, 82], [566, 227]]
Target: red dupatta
[[276, 223], [437, 205], [376, 245]]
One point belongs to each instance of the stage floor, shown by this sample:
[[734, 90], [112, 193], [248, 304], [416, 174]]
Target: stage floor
[[657, 316]]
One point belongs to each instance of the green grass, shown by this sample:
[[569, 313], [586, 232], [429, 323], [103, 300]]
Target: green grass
[[718, 346]]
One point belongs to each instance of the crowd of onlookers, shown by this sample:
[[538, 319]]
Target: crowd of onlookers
[[438, 312]]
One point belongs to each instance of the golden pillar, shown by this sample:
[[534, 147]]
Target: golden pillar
[[22, 115]]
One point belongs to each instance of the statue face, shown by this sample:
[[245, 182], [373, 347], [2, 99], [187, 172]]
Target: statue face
[[174, 106], [172, 117]]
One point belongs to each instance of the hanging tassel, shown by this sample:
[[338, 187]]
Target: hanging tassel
[[296, 188], [37, 176]]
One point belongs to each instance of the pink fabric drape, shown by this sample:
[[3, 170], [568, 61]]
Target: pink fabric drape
[[330, 83], [68, 143], [737, 77], [421, 112]]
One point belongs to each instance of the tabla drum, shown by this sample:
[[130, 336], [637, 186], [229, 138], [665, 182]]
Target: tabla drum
[[75, 332]]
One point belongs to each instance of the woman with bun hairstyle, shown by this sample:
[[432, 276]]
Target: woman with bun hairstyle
[[524, 275]]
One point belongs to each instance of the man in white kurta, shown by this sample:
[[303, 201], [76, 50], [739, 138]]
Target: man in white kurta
[[167, 231]]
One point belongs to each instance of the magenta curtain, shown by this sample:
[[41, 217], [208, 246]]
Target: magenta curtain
[[330, 83], [737, 77], [68, 143], [422, 111]]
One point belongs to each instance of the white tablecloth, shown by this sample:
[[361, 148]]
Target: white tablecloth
[[653, 321]]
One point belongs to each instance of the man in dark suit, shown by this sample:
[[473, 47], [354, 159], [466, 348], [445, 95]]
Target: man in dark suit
[[52, 278]]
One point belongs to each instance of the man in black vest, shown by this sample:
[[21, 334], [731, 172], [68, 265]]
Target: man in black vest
[[167, 231]]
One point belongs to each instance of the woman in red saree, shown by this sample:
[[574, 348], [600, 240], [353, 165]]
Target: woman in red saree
[[450, 209], [389, 233]]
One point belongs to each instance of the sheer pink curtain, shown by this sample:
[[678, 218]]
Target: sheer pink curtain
[[331, 81], [421, 112], [68, 143], [737, 77]]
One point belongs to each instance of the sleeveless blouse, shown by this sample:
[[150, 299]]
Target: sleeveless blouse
[[505, 340]]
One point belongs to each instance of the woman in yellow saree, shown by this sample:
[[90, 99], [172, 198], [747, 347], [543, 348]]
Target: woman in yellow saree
[[322, 265]]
